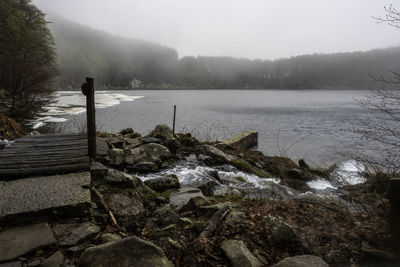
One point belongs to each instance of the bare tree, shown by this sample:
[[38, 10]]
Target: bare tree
[[382, 134]]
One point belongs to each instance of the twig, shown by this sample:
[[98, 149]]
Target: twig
[[214, 221], [105, 206]]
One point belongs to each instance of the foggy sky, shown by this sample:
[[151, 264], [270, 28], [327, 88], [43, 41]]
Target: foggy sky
[[265, 29]]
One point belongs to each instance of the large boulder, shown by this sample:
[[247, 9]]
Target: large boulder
[[157, 152], [302, 261], [183, 195], [112, 177], [127, 252], [134, 155], [161, 184], [211, 155], [238, 254], [162, 132]]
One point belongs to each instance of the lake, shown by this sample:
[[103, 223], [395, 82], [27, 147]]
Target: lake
[[317, 125]]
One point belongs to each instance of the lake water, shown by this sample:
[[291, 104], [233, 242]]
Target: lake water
[[317, 125]]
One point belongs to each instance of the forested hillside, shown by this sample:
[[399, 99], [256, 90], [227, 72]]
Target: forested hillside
[[115, 61]]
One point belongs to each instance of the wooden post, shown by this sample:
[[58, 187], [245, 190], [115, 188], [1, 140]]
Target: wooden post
[[88, 90], [173, 124]]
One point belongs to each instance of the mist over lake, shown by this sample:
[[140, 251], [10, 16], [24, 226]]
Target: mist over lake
[[310, 124]]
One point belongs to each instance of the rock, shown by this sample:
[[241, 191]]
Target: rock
[[165, 215], [282, 232], [18, 241], [73, 234], [181, 197], [377, 254], [187, 140], [394, 190], [208, 187], [116, 142], [54, 260], [195, 203], [116, 157], [148, 140], [132, 142], [226, 191], [36, 199], [295, 174], [302, 163], [161, 184], [124, 206], [214, 174], [135, 155], [324, 169], [214, 156], [143, 167], [109, 237], [247, 167], [162, 132], [118, 179], [172, 144], [271, 190], [302, 261], [157, 151], [127, 252], [238, 254], [243, 140], [126, 131]]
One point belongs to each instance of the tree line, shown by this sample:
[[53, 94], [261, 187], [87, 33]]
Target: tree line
[[115, 61]]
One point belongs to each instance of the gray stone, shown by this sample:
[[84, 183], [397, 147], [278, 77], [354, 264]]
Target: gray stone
[[118, 179], [157, 151], [143, 167], [238, 254], [17, 241], [132, 142], [243, 140], [214, 156], [30, 199], [126, 131], [73, 234], [124, 206], [195, 203], [183, 195], [163, 183], [127, 252], [165, 216], [134, 155], [282, 232], [302, 261], [116, 156], [208, 187], [162, 132], [172, 144], [148, 140], [109, 237], [54, 260]]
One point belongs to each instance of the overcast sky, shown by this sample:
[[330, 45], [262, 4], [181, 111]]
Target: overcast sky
[[266, 29]]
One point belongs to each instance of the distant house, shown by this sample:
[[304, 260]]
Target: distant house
[[135, 83]]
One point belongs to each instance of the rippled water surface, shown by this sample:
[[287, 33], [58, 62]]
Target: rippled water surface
[[313, 124]]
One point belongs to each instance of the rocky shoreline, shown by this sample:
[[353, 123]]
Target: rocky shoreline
[[132, 213]]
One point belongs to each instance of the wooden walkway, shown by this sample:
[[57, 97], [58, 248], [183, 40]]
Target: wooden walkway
[[44, 155]]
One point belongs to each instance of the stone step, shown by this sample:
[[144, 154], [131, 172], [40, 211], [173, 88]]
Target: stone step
[[36, 199], [243, 140]]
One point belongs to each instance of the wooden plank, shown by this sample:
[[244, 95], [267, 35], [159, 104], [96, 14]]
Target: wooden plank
[[9, 174], [50, 142], [46, 147], [45, 138], [46, 153], [40, 158], [41, 162]]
